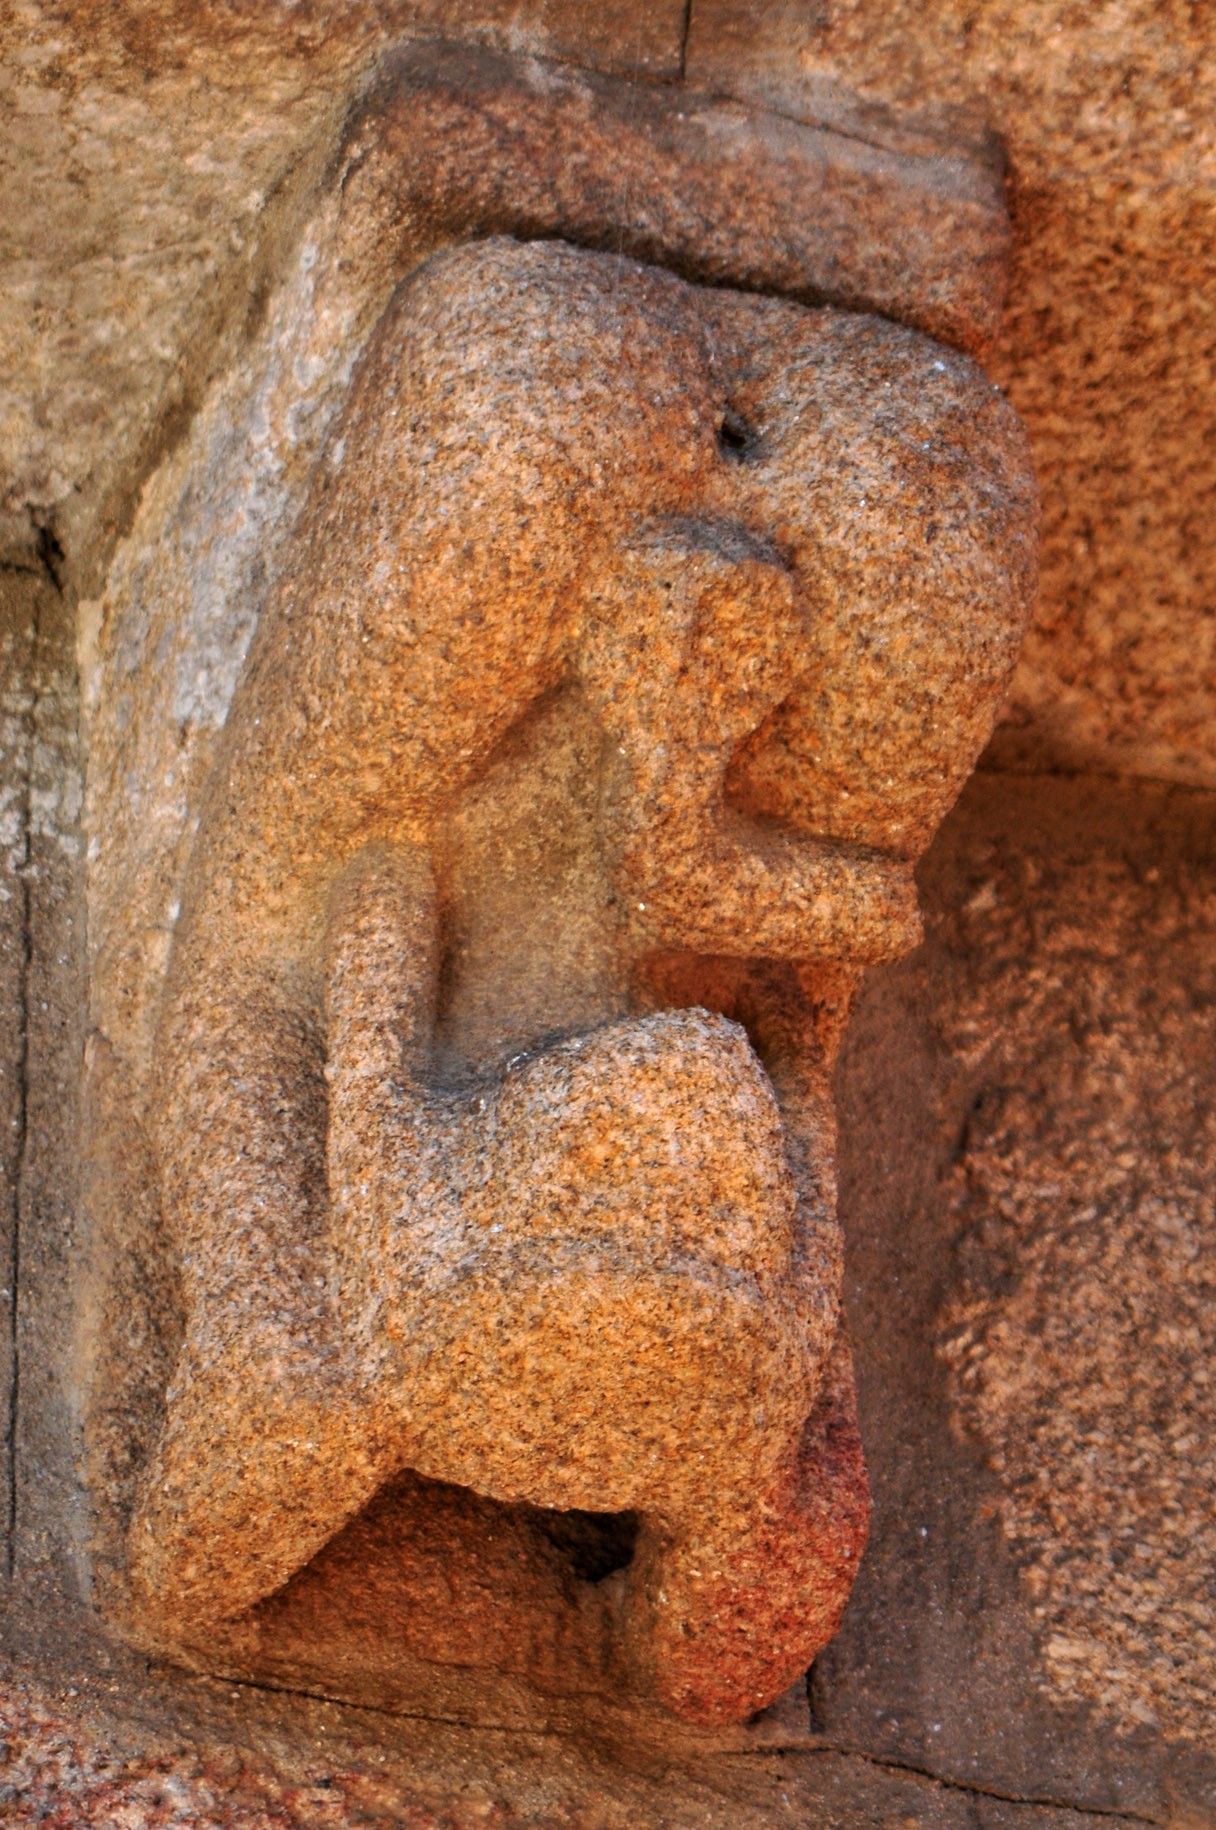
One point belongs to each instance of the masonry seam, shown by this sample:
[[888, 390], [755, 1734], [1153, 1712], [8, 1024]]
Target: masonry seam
[[51, 559], [976, 1790], [22, 1065], [24, 974], [1105, 1813]]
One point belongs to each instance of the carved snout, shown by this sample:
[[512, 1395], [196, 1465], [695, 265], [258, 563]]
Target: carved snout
[[701, 633]]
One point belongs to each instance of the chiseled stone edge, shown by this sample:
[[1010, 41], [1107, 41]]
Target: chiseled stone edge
[[479, 143]]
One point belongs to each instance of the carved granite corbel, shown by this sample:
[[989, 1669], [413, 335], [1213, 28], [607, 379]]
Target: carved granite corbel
[[633, 637]]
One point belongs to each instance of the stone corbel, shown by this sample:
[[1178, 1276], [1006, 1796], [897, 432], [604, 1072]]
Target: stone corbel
[[649, 593]]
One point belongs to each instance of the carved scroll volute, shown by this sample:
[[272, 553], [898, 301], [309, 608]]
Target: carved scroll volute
[[767, 568]]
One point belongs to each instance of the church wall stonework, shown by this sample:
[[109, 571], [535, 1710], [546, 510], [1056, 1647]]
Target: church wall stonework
[[593, 1232], [621, 653]]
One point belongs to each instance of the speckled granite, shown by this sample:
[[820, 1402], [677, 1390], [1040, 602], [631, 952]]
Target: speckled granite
[[58, 1768], [1109, 347], [167, 156], [175, 151], [1024, 1108], [1082, 1337], [73, 1760], [589, 1263]]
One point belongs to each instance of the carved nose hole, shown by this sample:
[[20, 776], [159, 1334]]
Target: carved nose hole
[[737, 440]]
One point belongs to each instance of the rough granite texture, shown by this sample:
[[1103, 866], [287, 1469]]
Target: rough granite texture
[[167, 151], [940, 1667], [160, 161], [1082, 1338], [716, 191], [1005, 1626], [18, 598], [562, 481], [1109, 343], [156, 156], [72, 1757], [174, 153]]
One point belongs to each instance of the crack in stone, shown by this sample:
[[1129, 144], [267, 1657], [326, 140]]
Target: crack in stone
[[51, 558], [1034, 1801], [265, 1688], [22, 1066], [882, 1763]]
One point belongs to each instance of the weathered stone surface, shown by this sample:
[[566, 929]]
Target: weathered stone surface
[[637, 546], [720, 193], [40, 1017], [18, 600], [173, 154], [257, 1763], [1109, 345], [163, 160], [1082, 1336], [942, 1666], [1027, 1295], [167, 151], [51, 1004], [155, 157], [145, 205]]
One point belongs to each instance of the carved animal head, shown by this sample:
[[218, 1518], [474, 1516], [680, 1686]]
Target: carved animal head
[[786, 552]]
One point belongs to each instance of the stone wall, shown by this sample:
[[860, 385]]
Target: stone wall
[[1025, 1103]]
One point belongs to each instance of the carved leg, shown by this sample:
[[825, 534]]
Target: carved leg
[[737, 1586], [267, 1446], [283, 1419], [724, 1611], [387, 1141]]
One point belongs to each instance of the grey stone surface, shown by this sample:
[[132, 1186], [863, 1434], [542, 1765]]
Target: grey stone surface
[[45, 1517], [155, 156], [19, 593]]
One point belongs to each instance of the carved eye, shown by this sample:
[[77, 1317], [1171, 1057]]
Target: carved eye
[[737, 441]]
